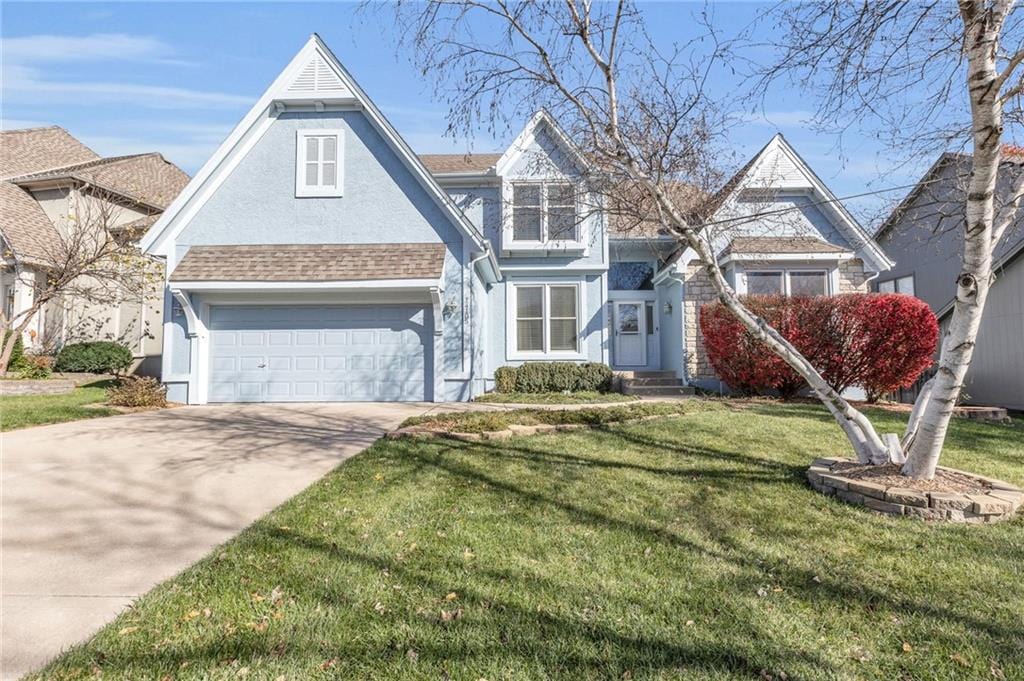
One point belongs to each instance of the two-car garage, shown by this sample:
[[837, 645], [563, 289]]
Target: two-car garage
[[304, 353]]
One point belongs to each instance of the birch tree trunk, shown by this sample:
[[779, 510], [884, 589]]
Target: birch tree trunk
[[981, 46]]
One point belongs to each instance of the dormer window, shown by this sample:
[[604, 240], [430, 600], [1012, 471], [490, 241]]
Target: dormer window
[[318, 163], [544, 212]]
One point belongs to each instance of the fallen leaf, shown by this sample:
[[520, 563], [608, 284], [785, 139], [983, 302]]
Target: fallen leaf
[[451, 615], [468, 555], [127, 630], [411, 655], [647, 551], [257, 597], [191, 615], [816, 579], [379, 607], [329, 664], [690, 623], [276, 594], [907, 647], [378, 477], [959, 659], [997, 671], [207, 612], [452, 596]]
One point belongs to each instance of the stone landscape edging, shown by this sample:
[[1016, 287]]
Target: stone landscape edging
[[514, 430], [1000, 502]]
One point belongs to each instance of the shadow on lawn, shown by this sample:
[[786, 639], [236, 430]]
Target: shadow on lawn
[[485, 630]]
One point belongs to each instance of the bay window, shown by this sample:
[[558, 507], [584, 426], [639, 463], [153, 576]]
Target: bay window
[[789, 282], [546, 318], [544, 212]]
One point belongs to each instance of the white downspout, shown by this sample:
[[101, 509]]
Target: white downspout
[[472, 322]]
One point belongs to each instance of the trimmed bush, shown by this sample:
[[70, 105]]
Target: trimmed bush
[[505, 379], [96, 357], [136, 391], [35, 367], [877, 341], [546, 377]]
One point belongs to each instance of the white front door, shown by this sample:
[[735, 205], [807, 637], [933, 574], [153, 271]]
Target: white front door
[[630, 334]]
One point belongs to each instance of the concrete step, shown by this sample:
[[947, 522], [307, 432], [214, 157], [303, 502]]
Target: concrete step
[[658, 390], [654, 374], [652, 381]]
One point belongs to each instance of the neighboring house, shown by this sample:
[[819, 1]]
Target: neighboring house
[[316, 257], [924, 236], [46, 176]]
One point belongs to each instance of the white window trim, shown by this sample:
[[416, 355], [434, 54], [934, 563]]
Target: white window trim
[[511, 350], [831, 286], [510, 243], [302, 190]]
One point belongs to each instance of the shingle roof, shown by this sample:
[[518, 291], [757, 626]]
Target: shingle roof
[[24, 225], [311, 262], [37, 149], [459, 163], [756, 245], [149, 178]]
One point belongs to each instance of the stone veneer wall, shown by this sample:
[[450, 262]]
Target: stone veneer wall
[[851, 276], [699, 291]]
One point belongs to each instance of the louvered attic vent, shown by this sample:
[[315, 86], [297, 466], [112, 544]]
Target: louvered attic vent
[[316, 76]]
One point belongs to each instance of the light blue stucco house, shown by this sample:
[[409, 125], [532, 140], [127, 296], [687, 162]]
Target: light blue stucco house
[[316, 257]]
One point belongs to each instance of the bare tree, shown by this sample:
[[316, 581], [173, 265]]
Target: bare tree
[[642, 117], [92, 260], [928, 75]]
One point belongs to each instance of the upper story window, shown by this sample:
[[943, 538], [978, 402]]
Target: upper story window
[[787, 282], [898, 285], [318, 162], [544, 211]]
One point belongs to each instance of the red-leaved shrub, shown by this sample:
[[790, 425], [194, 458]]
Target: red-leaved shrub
[[877, 341]]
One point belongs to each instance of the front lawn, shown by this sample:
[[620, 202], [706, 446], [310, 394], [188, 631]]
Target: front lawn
[[687, 547], [21, 411], [581, 397]]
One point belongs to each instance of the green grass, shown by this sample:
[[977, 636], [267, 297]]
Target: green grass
[[682, 548], [21, 411], [482, 421], [582, 397]]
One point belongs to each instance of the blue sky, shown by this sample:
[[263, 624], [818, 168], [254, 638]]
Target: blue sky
[[176, 77]]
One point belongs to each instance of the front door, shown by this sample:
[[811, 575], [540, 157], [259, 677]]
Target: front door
[[630, 334]]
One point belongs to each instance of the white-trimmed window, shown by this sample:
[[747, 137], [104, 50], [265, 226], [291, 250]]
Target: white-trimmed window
[[545, 318], [544, 212], [319, 156], [789, 282], [898, 285]]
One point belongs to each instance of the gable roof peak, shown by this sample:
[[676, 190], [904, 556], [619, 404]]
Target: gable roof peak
[[266, 109]]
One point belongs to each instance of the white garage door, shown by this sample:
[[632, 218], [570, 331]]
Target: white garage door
[[315, 354]]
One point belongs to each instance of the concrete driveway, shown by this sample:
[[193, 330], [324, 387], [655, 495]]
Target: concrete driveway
[[95, 513]]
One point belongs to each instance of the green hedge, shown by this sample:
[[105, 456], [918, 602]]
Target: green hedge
[[17, 359], [546, 377], [97, 357]]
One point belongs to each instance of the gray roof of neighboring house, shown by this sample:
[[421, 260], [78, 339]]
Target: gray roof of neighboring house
[[440, 164], [311, 262], [780, 245]]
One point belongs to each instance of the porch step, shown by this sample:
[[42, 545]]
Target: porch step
[[666, 380], [654, 374], [658, 390]]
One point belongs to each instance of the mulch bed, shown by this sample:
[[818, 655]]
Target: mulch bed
[[945, 480]]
